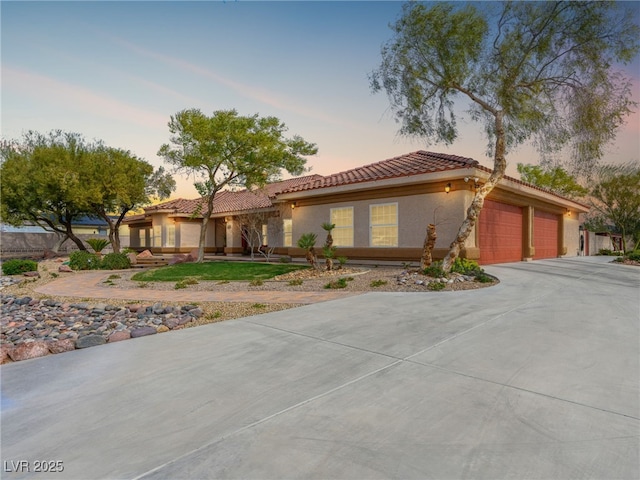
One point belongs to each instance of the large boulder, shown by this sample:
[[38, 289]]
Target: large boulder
[[145, 254], [133, 258]]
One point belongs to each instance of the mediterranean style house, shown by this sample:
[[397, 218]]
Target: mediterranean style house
[[380, 212]]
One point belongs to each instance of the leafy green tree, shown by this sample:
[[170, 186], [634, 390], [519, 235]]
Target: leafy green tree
[[541, 71], [555, 179], [227, 149], [122, 182], [42, 180], [615, 197]]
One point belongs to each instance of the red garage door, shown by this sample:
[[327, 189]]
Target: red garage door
[[500, 233], [545, 235]]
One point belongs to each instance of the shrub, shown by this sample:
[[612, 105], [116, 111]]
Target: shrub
[[377, 283], [258, 305], [83, 260], [465, 266], [296, 281], [285, 259], [434, 270], [115, 261], [635, 255], [16, 267], [342, 261], [256, 283], [608, 251]]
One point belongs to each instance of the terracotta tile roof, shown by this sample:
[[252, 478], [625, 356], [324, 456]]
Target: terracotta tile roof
[[414, 163], [230, 201]]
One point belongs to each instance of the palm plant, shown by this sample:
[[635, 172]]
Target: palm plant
[[328, 227], [98, 244], [329, 254], [307, 241]]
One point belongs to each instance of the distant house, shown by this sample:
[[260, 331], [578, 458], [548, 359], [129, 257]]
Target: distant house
[[380, 211]]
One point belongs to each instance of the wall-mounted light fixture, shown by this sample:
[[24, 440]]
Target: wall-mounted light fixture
[[447, 188], [568, 212], [475, 182], [293, 205]]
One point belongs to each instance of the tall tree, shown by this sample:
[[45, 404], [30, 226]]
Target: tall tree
[[556, 179], [541, 71], [42, 180], [227, 149], [122, 182], [615, 197]]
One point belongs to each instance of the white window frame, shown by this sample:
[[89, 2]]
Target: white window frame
[[345, 227], [170, 232], [265, 234], [156, 236], [383, 225]]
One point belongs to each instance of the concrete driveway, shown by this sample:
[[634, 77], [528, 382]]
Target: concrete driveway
[[537, 377]]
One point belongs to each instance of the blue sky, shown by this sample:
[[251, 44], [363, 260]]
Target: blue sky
[[116, 71]]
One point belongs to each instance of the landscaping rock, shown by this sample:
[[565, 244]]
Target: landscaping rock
[[143, 331], [133, 258], [61, 346], [31, 274], [90, 341], [118, 336], [65, 269], [27, 351], [145, 254]]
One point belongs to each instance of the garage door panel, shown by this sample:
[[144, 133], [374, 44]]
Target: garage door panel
[[500, 233], [545, 234]]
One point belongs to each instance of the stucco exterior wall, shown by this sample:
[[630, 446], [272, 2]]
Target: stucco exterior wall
[[414, 213]]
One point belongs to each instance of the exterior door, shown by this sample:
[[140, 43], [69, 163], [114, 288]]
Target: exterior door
[[500, 233], [545, 234]]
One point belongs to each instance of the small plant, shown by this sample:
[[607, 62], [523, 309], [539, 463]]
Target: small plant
[[108, 282], [329, 253], [16, 267], [143, 284], [83, 260], [406, 265], [340, 283], [436, 286], [213, 316], [113, 276], [484, 278], [256, 283], [258, 305], [285, 259], [222, 282], [55, 275], [328, 227], [342, 261], [434, 270], [98, 244], [295, 282], [377, 283], [185, 283]]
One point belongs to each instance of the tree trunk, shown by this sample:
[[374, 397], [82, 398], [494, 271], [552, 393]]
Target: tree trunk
[[203, 227], [499, 168], [62, 237], [329, 263], [311, 257], [429, 243]]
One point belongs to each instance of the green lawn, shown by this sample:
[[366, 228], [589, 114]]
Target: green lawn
[[216, 271]]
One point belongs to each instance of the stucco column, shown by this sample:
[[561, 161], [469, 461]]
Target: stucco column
[[562, 248], [528, 250], [234, 237]]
